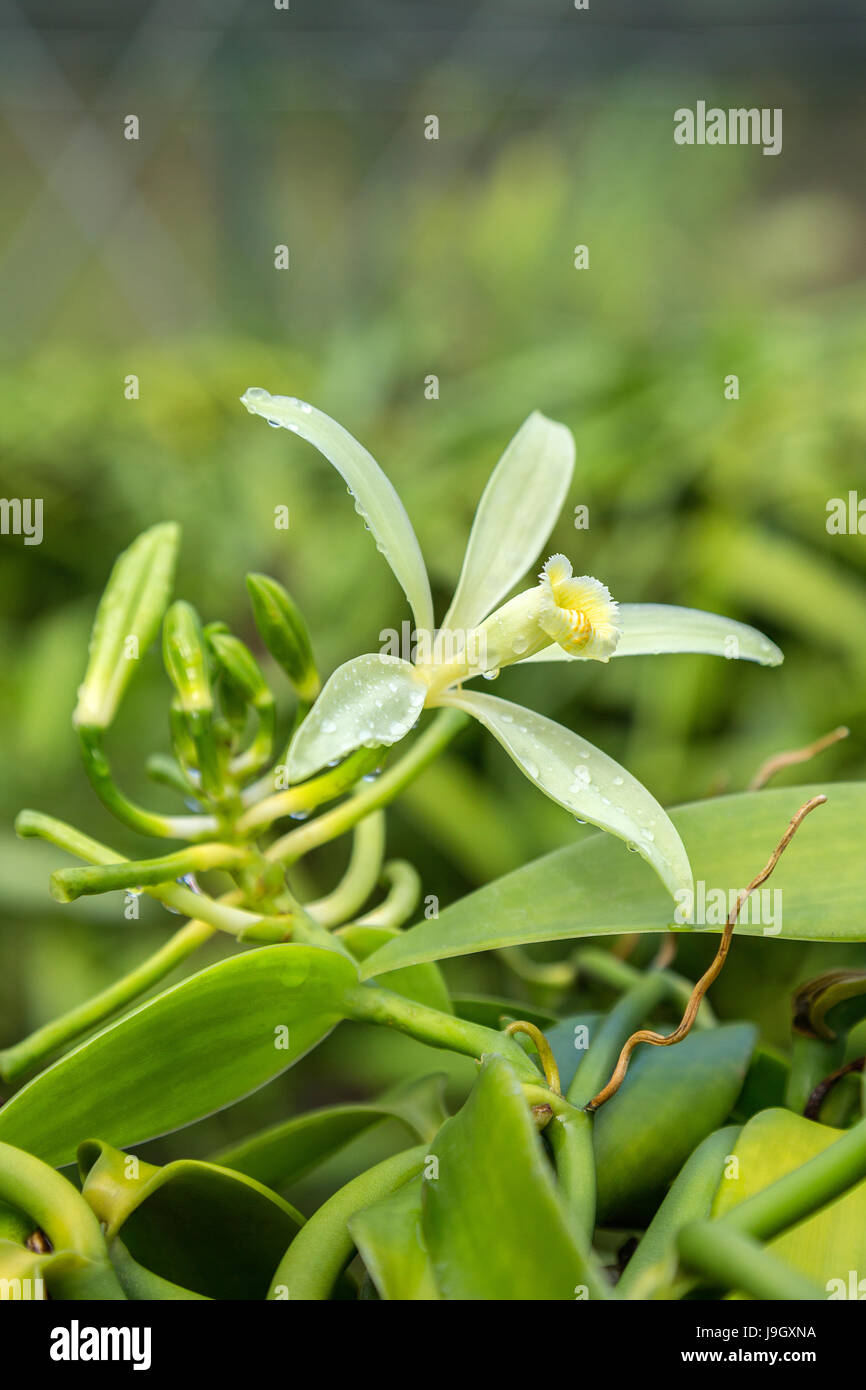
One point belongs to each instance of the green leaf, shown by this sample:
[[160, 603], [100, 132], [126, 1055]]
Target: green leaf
[[672, 1097], [494, 1221], [595, 888], [194, 1049], [281, 1154], [142, 1284], [765, 1084], [206, 1228], [312, 1265], [826, 1245], [423, 983], [390, 1239], [690, 1198]]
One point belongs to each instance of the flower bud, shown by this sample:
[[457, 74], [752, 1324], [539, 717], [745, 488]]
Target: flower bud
[[239, 668], [284, 633], [186, 659], [127, 620]]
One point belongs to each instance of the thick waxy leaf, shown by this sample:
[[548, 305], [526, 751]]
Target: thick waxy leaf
[[689, 1199], [652, 629], [142, 1284], [827, 1245], [494, 1222], [390, 1239], [569, 1040], [281, 1154], [375, 496], [583, 780], [212, 1231], [672, 1097], [516, 514], [370, 701], [192, 1050], [595, 888], [765, 1083], [423, 983]]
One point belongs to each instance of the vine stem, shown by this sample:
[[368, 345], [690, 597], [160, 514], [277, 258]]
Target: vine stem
[[370, 1004], [24, 1055], [735, 1261], [291, 847], [711, 974]]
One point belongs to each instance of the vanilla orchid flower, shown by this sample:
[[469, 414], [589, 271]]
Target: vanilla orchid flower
[[375, 699]]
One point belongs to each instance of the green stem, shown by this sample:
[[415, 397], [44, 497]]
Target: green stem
[[168, 771], [254, 758], [308, 795], [370, 1004], [731, 1260], [402, 897], [197, 906], [570, 1138], [297, 843], [360, 878], [594, 1070], [808, 1188], [30, 1051], [653, 1266], [323, 1247], [69, 884], [98, 770], [53, 1203]]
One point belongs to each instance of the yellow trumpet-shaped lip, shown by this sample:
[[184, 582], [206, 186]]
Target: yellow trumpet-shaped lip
[[581, 617]]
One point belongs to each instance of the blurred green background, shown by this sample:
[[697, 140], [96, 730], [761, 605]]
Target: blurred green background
[[411, 257]]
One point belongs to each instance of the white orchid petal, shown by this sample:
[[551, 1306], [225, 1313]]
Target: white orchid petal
[[654, 629], [375, 496], [370, 701], [583, 780], [516, 514]]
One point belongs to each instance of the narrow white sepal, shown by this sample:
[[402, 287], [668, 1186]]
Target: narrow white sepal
[[375, 497], [516, 514]]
